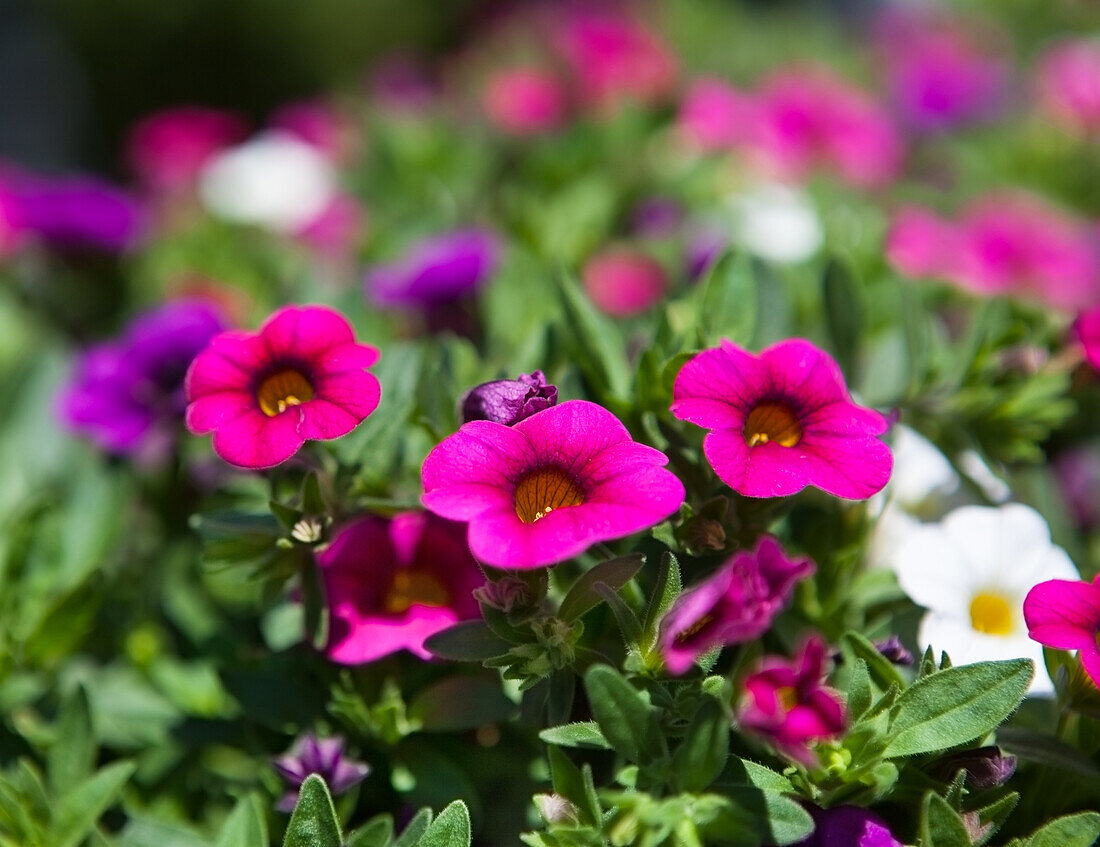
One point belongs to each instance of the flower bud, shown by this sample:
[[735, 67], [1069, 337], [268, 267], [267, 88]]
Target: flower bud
[[508, 401]]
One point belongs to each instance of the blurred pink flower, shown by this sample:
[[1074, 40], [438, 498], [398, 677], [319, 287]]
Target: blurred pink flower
[[920, 244], [1069, 84], [716, 116], [623, 282], [167, 149], [316, 123], [1087, 330], [1065, 615], [525, 101], [392, 582]]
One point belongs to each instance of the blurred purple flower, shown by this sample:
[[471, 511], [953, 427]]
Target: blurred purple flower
[[127, 394], [434, 271], [322, 756], [508, 401], [74, 212], [848, 826], [657, 217], [704, 247], [894, 651], [1078, 474]]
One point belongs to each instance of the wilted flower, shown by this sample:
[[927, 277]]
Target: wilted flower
[[167, 149], [787, 703], [127, 395], [391, 583], [848, 826], [525, 101], [264, 394], [72, 212], [1065, 614], [1069, 84], [971, 571], [508, 401], [623, 282], [782, 420], [322, 756], [736, 604], [546, 489], [436, 270]]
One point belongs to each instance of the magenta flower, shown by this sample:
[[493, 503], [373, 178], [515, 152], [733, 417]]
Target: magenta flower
[[736, 604], [1087, 330], [73, 213], [525, 101], [127, 395], [622, 281], [316, 123], [391, 583], [848, 826], [1069, 84], [264, 394], [787, 704], [546, 489], [508, 401], [1065, 615], [322, 756], [167, 149], [716, 116], [434, 271], [782, 420]]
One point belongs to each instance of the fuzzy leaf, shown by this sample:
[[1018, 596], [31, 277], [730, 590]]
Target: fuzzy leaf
[[583, 596], [377, 832], [468, 641], [1080, 830], [580, 734], [245, 826], [78, 810], [314, 822], [940, 825], [568, 781], [626, 719], [410, 835], [451, 828], [703, 752]]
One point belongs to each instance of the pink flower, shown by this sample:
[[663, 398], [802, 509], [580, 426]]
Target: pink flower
[[782, 420], [525, 101], [811, 118], [547, 488], [391, 583], [786, 703], [614, 58], [736, 604], [716, 116], [919, 243], [264, 394], [167, 149], [317, 124], [1069, 84], [1087, 330], [1065, 615], [624, 282]]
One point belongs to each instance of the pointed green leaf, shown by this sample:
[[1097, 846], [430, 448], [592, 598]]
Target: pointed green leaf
[[596, 341], [72, 755], [727, 301], [313, 822], [579, 734], [614, 573], [568, 781], [245, 826], [940, 825], [468, 641], [451, 828], [628, 622], [625, 717], [703, 752], [992, 817], [1080, 830], [860, 695], [664, 593], [881, 669], [410, 835], [377, 832], [78, 810]]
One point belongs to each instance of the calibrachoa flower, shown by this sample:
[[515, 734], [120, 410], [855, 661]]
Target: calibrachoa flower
[[1087, 330], [391, 583], [127, 395], [848, 826], [1065, 614], [1069, 84], [436, 270], [623, 282], [787, 703], [167, 149], [77, 212], [316, 123], [782, 420], [264, 394], [322, 756], [716, 116], [525, 101], [971, 571], [508, 401], [546, 489], [737, 604]]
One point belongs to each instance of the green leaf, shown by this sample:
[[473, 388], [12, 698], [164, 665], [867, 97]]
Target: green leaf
[[703, 752], [881, 669], [860, 695], [843, 314], [313, 822], [727, 301], [79, 809], [1080, 830], [992, 817], [1045, 750], [626, 718], [457, 703], [664, 593], [940, 825], [580, 734], [744, 772], [628, 622], [451, 828], [410, 836], [569, 782], [245, 826], [596, 342], [614, 573], [72, 755], [779, 819], [957, 705], [469, 641], [377, 832]]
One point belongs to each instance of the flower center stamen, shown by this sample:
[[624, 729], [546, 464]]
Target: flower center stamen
[[991, 613], [415, 588], [787, 697], [772, 423], [283, 389], [698, 626], [542, 491]]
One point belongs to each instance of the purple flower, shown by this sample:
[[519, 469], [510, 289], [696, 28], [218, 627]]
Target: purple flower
[[1077, 472], [322, 756], [127, 395], [736, 604], [508, 401], [656, 217], [848, 826], [434, 271], [894, 651], [75, 212], [986, 767]]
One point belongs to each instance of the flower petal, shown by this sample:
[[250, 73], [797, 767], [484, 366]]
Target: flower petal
[[255, 441]]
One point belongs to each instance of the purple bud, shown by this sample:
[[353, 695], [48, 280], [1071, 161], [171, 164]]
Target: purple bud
[[324, 757], [986, 767], [894, 651], [508, 401]]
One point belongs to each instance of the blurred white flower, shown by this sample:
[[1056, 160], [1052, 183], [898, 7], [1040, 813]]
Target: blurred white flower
[[992, 486], [972, 571], [777, 222], [920, 471], [273, 180]]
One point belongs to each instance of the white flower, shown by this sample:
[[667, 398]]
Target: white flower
[[777, 223], [972, 571], [992, 486], [920, 469], [273, 181]]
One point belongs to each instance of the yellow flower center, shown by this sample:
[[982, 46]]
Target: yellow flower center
[[991, 613], [542, 491], [283, 389], [414, 588], [772, 423], [787, 697]]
